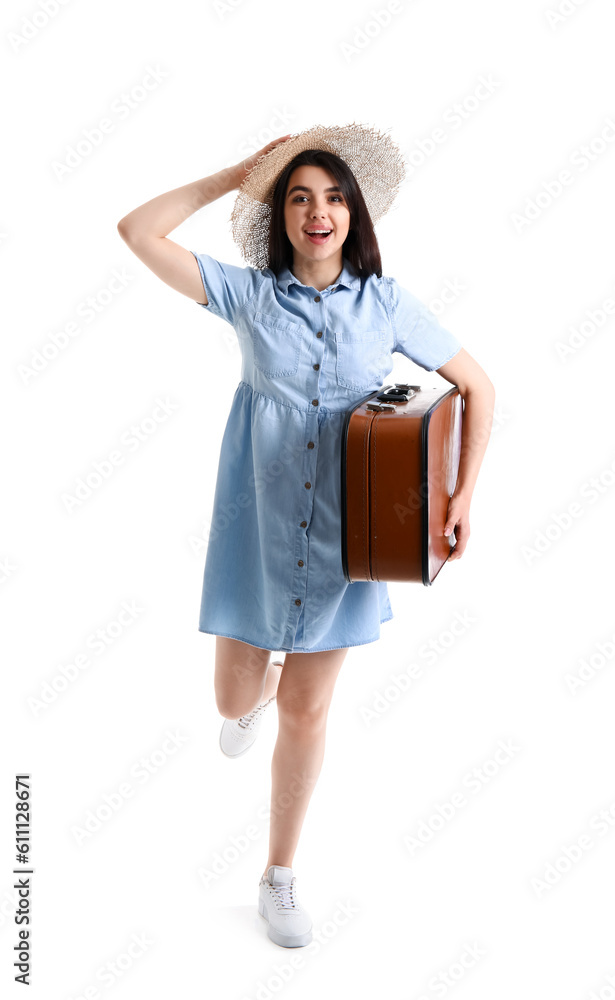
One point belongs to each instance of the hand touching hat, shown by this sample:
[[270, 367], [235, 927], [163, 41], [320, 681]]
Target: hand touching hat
[[373, 157]]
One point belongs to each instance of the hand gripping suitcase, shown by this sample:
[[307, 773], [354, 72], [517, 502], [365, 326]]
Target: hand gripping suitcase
[[399, 461]]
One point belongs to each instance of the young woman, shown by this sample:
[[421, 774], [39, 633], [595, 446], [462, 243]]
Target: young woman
[[317, 323]]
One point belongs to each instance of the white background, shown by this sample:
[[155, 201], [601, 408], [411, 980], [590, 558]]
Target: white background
[[231, 79]]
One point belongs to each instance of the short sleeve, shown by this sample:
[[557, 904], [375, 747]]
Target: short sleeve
[[418, 333], [228, 287]]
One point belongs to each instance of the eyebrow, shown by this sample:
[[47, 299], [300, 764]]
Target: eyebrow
[[300, 187]]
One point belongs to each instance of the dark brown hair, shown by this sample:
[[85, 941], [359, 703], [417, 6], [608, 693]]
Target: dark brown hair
[[360, 246]]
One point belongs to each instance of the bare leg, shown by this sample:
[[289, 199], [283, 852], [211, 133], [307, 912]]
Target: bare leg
[[244, 677], [303, 698]]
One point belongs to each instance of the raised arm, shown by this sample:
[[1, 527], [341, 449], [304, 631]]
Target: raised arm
[[145, 229]]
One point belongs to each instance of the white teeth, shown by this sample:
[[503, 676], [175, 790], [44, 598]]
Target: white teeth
[[316, 232]]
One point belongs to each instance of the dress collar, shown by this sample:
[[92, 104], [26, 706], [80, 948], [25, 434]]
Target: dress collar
[[348, 277]]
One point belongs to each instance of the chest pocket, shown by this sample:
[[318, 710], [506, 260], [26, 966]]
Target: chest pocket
[[277, 345], [363, 358]]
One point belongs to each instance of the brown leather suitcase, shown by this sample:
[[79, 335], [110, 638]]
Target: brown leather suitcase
[[399, 461]]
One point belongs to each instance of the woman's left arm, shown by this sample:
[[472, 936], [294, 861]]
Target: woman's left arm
[[478, 395]]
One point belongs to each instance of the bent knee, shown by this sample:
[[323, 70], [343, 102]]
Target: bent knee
[[231, 706]]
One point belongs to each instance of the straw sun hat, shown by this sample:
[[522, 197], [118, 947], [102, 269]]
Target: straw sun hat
[[375, 161]]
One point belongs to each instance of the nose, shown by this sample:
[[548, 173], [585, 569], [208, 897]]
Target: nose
[[318, 214], [317, 210]]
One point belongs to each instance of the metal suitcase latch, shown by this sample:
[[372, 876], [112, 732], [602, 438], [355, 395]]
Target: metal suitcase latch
[[380, 406]]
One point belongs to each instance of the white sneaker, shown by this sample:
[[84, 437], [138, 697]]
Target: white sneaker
[[238, 735], [289, 924]]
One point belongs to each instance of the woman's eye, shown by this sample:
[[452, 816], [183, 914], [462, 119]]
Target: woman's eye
[[297, 197]]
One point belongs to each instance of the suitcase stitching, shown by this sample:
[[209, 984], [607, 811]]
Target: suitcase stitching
[[375, 507], [366, 503]]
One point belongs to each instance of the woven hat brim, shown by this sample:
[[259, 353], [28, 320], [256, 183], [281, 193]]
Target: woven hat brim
[[375, 160]]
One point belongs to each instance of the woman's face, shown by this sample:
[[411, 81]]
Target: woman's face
[[315, 207]]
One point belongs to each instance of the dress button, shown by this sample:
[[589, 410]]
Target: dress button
[[314, 402], [310, 444], [308, 486], [300, 563], [297, 601], [303, 524], [315, 367], [319, 334], [317, 298]]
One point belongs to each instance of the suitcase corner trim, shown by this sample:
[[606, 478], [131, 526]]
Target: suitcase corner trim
[[454, 390]]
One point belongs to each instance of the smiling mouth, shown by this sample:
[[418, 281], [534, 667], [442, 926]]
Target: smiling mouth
[[318, 237]]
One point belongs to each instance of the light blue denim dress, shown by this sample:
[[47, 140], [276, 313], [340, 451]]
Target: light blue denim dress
[[273, 571]]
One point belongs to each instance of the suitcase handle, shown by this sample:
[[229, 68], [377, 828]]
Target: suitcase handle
[[401, 393]]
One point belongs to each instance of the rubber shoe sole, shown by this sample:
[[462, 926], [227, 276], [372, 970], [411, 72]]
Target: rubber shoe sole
[[297, 941], [289, 924]]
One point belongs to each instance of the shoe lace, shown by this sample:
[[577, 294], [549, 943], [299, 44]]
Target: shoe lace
[[246, 721], [285, 895]]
